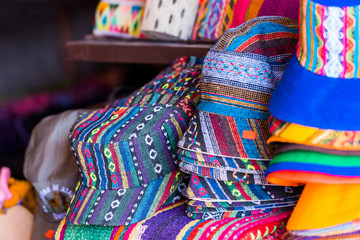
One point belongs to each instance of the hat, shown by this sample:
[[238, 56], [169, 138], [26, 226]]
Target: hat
[[320, 85], [325, 205], [126, 152], [207, 189], [231, 118], [227, 163], [325, 138], [50, 167], [169, 19], [119, 18], [339, 166]]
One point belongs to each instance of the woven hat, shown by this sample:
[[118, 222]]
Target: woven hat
[[207, 189], [50, 167], [239, 74], [126, 156], [119, 18], [320, 85], [339, 168], [322, 138]]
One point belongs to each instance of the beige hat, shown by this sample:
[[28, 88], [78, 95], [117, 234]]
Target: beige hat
[[50, 166]]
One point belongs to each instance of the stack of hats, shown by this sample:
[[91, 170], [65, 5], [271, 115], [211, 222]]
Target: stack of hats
[[125, 153], [224, 149], [315, 116], [119, 18]]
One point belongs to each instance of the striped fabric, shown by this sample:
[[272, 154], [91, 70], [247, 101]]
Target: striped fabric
[[325, 138], [226, 163], [126, 151], [206, 189], [170, 223], [334, 48], [213, 18]]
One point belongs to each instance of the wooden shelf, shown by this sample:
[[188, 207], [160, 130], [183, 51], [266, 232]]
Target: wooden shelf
[[133, 51]]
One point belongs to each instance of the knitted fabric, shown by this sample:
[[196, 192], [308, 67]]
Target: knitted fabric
[[120, 18], [325, 67], [207, 189], [325, 138], [126, 151]]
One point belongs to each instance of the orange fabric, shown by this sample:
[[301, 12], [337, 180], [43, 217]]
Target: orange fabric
[[295, 178], [325, 205], [249, 135], [275, 139], [49, 234]]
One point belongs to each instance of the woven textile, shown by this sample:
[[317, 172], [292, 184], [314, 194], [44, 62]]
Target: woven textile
[[126, 151], [325, 138], [222, 174], [292, 146], [119, 18], [246, 9], [345, 236], [171, 223], [227, 163], [325, 67], [213, 18], [231, 118], [206, 189]]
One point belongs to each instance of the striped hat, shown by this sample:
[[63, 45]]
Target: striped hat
[[321, 84], [239, 74], [126, 156]]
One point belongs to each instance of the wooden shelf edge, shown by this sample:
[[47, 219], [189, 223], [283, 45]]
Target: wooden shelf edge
[[147, 52]]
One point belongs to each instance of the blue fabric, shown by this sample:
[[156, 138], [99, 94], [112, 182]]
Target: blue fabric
[[312, 100], [338, 3], [317, 168]]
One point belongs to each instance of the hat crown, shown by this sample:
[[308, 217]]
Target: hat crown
[[329, 38]]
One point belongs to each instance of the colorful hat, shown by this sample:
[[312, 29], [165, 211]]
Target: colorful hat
[[231, 118], [325, 205], [325, 138], [126, 157], [169, 19], [50, 167], [320, 85], [207, 189], [119, 18], [170, 223], [345, 168]]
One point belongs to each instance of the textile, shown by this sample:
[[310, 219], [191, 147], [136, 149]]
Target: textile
[[282, 131], [119, 18], [212, 19], [126, 152], [292, 146], [170, 223], [246, 10], [50, 167], [324, 68], [169, 19], [347, 167], [231, 118], [206, 189], [325, 205]]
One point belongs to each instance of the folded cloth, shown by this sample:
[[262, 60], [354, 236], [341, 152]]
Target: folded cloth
[[283, 131], [325, 205], [345, 236], [206, 189], [345, 167], [293, 146]]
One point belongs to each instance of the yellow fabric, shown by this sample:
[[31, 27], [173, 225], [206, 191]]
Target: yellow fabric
[[275, 139], [325, 205], [298, 133]]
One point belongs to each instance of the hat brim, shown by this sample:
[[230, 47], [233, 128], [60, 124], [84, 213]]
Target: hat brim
[[121, 206], [308, 99], [206, 189], [325, 205]]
